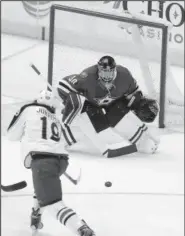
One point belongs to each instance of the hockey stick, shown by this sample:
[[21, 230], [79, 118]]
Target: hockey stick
[[74, 181], [39, 74], [23, 184], [14, 187]]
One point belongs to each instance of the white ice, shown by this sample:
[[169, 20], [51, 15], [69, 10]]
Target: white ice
[[147, 195]]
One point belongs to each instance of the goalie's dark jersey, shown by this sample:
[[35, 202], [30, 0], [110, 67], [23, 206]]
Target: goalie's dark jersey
[[88, 84]]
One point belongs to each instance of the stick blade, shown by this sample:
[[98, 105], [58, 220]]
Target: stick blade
[[14, 187]]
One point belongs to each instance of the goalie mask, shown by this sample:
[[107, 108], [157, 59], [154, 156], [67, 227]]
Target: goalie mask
[[46, 98], [107, 69]]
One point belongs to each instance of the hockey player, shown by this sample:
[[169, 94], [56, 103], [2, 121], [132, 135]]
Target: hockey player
[[106, 97], [42, 142]]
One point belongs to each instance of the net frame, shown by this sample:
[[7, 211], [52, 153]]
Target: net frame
[[136, 21]]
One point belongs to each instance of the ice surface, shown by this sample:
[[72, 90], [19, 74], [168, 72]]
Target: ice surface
[[108, 215], [147, 195]]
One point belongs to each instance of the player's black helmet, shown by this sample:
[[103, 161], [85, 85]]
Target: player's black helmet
[[107, 69]]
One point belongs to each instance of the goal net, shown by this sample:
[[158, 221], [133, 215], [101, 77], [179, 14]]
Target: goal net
[[78, 38]]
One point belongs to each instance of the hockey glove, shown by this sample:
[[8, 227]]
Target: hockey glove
[[147, 110]]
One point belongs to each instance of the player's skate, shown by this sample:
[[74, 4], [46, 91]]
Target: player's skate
[[85, 230], [36, 220]]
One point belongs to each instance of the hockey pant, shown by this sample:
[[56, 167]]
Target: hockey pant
[[124, 131], [46, 171]]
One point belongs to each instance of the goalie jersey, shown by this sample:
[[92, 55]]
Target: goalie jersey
[[38, 129], [88, 85]]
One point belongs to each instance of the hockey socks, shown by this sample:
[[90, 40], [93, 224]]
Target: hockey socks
[[68, 217]]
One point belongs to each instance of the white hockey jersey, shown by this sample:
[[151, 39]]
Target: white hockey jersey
[[38, 129]]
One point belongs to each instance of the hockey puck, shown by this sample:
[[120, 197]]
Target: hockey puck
[[108, 184]]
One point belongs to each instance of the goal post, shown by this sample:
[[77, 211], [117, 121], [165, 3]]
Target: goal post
[[129, 19]]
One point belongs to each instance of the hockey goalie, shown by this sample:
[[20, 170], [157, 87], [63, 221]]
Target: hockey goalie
[[105, 100]]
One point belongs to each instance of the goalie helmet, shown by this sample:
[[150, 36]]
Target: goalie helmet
[[46, 98], [107, 69]]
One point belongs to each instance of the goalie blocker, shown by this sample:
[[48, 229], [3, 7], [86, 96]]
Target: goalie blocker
[[115, 130]]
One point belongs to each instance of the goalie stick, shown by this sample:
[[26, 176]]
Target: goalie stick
[[111, 153]]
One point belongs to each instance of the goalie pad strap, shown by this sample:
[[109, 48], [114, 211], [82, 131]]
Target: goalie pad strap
[[138, 134]]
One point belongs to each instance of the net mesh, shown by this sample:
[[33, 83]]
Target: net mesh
[[82, 40]]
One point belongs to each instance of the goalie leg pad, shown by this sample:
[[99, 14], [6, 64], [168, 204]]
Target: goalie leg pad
[[85, 125], [107, 141], [147, 145], [131, 127], [137, 133]]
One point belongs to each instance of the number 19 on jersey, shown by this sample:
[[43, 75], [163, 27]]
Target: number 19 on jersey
[[50, 129]]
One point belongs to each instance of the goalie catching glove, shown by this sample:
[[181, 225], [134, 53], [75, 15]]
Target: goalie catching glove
[[146, 109]]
